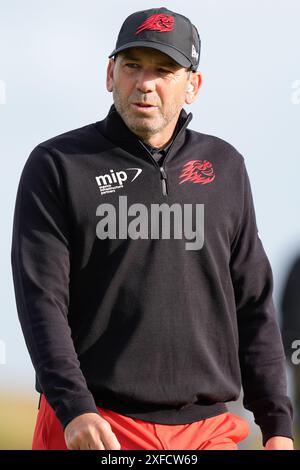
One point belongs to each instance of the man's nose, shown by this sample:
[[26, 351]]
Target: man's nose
[[146, 82]]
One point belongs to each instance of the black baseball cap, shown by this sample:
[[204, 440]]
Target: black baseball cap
[[164, 30]]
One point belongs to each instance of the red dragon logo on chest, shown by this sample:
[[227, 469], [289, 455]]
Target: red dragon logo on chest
[[197, 171]]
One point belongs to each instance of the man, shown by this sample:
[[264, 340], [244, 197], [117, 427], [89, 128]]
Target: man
[[143, 289]]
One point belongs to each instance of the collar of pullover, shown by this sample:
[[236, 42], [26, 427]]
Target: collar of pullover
[[114, 128]]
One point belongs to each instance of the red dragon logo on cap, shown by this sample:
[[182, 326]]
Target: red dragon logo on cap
[[197, 171], [160, 23]]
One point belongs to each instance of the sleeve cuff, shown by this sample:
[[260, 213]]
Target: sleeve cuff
[[67, 411], [275, 426]]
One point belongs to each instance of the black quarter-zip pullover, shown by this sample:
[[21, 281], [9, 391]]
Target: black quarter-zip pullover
[[147, 326]]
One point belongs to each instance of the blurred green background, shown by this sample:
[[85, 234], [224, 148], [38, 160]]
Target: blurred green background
[[18, 415]]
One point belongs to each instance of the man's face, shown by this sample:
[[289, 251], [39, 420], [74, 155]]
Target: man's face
[[149, 90]]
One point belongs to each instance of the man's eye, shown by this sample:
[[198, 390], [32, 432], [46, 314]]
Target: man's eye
[[164, 71], [132, 65]]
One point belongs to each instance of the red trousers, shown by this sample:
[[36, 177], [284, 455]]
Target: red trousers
[[221, 432]]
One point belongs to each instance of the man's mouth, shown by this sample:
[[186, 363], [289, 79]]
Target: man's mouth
[[144, 106]]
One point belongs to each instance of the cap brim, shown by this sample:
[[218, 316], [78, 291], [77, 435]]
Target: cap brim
[[180, 58]]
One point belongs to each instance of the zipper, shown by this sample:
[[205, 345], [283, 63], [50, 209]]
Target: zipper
[[163, 174], [164, 178]]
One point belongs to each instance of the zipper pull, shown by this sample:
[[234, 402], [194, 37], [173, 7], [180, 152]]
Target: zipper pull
[[163, 175]]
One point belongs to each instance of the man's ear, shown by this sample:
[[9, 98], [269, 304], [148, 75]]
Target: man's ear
[[109, 75], [193, 87]]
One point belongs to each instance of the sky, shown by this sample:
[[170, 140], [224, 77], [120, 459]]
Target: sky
[[53, 58]]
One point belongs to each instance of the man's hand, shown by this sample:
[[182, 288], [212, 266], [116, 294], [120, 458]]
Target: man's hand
[[90, 432], [279, 443]]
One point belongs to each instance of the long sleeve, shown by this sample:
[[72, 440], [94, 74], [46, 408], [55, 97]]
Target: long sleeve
[[261, 354], [41, 253]]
